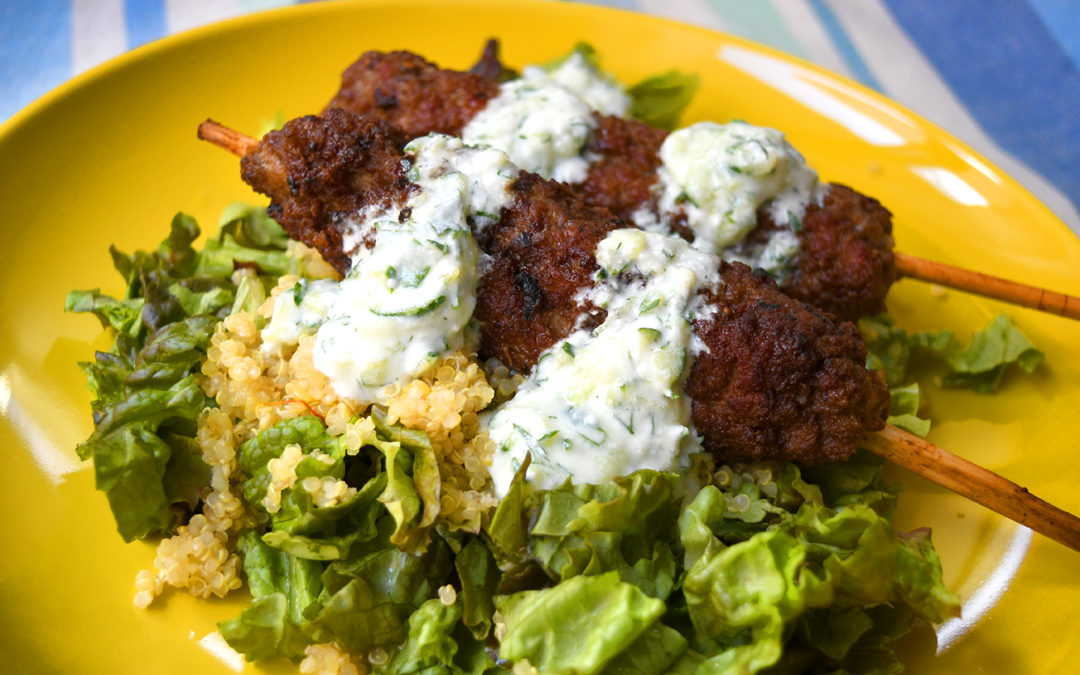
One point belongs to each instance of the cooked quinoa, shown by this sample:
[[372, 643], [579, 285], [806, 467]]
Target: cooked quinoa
[[444, 402], [200, 556], [255, 388], [329, 659]]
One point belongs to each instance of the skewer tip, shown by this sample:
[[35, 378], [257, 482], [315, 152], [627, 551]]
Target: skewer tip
[[976, 483], [224, 137]]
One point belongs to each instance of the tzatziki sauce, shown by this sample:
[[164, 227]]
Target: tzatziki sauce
[[608, 401], [600, 91], [408, 300], [543, 119], [720, 174]]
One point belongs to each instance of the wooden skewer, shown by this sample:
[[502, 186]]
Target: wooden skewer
[[906, 265], [227, 138], [907, 450], [976, 483], [988, 286]]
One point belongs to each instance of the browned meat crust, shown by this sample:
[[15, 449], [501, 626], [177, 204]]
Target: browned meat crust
[[622, 176], [490, 67], [779, 374], [778, 380], [322, 172], [542, 252], [845, 265], [413, 94]]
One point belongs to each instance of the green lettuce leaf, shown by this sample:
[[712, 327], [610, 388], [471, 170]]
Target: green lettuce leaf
[[369, 599], [253, 456], [980, 365], [283, 586], [744, 596], [508, 530], [146, 400], [299, 526], [120, 315], [815, 567], [698, 522], [904, 405], [436, 644], [622, 525], [889, 348], [251, 227], [129, 465], [660, 100], [577, 626], [327, 533], [263, 630], [413, 483], [250, 295], [186, 473], [247, 237], [479, 577], [307, 431], [131, 459], [202, 302], [358, 619], [429, 644], [176, 252], [651, 654]]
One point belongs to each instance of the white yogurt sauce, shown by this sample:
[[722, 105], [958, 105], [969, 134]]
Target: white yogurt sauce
[[776, 255], [600, 91], [542, 126], [720, 174], [299, 310], [408, 300], [543, 119], [607, 402]]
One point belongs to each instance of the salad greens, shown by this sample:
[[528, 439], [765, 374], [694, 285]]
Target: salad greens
[[980, 365], [627, 576], [660, 100], [740, 569], [767, 567], [147, 399]]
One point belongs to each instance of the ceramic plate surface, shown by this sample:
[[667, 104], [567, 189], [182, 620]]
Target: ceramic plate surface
[[112, 155]]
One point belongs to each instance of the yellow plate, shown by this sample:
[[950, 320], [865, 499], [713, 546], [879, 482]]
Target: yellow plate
[[109, 157]]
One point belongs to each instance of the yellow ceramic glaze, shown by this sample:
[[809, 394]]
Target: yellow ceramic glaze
[[112, 155]]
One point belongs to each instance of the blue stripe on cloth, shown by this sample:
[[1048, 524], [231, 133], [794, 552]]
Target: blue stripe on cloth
[[844, 45], [37, 33], [1012, 75], [145, 21], [1062, 19]]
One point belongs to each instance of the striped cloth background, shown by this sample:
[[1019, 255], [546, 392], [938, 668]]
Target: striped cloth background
[[1002, 75]]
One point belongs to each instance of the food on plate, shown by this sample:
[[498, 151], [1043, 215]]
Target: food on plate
[[827, 245], [442, 412], [542, 399], [768, 377]]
